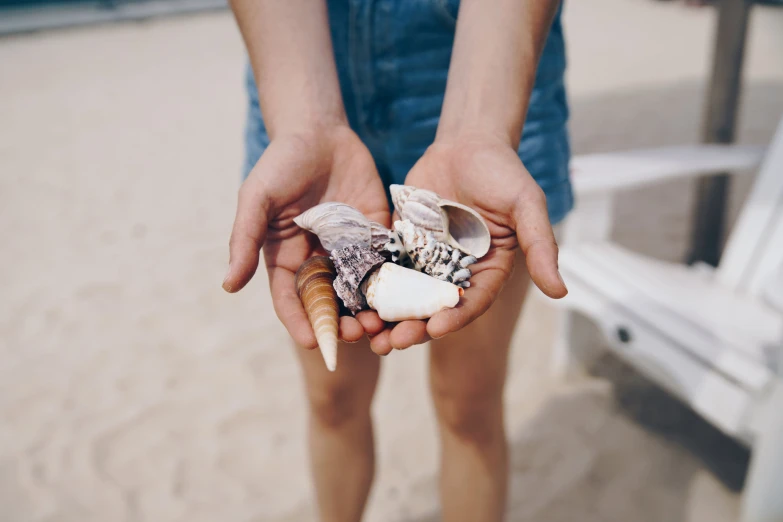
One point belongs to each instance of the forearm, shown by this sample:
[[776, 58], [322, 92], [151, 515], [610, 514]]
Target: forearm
[[493, 68], [290, 51]]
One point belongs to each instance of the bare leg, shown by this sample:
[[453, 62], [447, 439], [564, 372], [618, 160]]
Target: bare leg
[[341, 437], [468, 371]]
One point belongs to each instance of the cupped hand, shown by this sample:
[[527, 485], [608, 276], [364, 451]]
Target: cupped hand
[[485, 173], [295, 173]]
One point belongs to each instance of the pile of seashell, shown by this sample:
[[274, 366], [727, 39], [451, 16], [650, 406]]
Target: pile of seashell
[[413, 271]]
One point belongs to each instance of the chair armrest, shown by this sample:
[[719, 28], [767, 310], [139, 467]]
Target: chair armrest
[[614, 171], [596, 177]]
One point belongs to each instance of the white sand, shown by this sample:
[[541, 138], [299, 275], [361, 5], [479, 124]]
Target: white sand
[[133, 389]]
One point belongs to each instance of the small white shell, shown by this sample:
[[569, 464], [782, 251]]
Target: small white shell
[[450, 222], [337, 225], [386, 242], [399, 294]]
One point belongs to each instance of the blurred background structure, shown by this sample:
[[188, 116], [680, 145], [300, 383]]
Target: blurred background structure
[[35, 15], [133, 389]]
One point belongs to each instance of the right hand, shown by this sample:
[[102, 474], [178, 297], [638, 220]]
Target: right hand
[[295, 173]]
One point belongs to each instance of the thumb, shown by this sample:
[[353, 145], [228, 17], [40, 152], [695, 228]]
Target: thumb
[[247, 235], [537, 240]]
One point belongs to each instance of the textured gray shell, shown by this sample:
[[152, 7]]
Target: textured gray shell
[[352, 264]]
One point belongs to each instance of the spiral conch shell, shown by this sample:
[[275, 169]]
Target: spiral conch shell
[[313, 283], [450, 222], [422, 208], [337, 225], [399, 293]]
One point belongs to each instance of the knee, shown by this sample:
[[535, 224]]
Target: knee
[[474, 416], [337, 405]]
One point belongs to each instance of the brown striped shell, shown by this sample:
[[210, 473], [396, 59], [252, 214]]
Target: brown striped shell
[[313, 283]]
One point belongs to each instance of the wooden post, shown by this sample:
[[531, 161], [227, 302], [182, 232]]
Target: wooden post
[[719, 126]]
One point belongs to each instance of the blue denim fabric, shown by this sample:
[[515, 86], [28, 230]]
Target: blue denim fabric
[[393, 58]]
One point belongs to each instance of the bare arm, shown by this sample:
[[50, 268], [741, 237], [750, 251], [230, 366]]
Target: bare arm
[[313, 155], [496, 52], [474, 158], [291, 54]]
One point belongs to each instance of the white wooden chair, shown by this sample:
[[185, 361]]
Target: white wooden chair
[[711, 337]]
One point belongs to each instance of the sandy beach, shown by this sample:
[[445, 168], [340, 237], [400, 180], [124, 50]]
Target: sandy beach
[[133, 389]]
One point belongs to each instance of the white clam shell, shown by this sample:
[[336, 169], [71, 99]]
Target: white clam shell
[[450, 222], [337, 225], [400, 294]]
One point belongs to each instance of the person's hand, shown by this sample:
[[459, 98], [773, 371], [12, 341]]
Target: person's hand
[[486, 174], [295, 173]]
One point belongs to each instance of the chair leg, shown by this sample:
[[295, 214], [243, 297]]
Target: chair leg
[[762, 500], [576, 346]]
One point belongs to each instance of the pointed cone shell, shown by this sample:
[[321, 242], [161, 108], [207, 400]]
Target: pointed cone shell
[[337, 225], [313, 283], [399, 294], [450, 222]]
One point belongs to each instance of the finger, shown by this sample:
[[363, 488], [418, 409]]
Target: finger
[[372, 324], [380, 343], [409, 333], [350, 329], [541, 260], [247, 236], [484, 288], [537, 240], [289, 308]]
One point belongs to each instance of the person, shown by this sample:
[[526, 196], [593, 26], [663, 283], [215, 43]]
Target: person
[[463, 98]]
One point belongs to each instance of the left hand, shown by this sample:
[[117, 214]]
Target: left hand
[[485, 173]]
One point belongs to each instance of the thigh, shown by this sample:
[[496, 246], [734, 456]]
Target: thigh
[[337, 396], [470, 364]]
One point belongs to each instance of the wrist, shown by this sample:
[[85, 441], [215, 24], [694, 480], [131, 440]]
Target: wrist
[[325, 140], [470, 110], [471, 136], [310, 120], [471, 113]]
